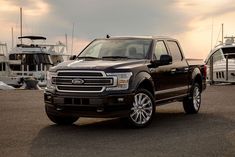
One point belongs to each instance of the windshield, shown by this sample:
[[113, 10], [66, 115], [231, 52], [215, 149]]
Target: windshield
[[230, 51], [117, 48]]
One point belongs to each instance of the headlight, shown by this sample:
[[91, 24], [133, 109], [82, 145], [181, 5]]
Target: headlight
[[121, 81], [50, 81]]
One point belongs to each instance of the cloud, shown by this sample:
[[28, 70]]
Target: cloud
[[33, 11], [96, 18], [204, 9], [220, 11]]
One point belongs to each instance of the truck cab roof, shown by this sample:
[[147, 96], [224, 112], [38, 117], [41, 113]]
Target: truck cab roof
[[138, 37]]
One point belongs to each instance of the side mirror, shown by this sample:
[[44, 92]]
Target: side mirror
[[72, 57], [164, 60]]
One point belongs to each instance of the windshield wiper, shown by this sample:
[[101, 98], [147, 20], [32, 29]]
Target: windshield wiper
[[87, 57], [115, 57]]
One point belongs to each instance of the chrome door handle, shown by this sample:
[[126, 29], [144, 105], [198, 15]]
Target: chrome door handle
[[186, 69], [173, 70], [152, 70]]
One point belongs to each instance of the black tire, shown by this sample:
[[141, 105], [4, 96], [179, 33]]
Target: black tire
[[61, 120], [192, 103], [141, 113]]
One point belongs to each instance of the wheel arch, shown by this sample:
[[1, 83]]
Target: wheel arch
[[144, 80], [197, 77]]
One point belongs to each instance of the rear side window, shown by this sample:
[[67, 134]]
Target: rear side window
[[175, 50]]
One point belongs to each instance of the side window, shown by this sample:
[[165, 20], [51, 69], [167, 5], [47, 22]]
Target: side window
[[217, 56], [160, 49], [3, 66], [175, 50], [12, 57]]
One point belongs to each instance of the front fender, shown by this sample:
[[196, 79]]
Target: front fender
[[140, 78]]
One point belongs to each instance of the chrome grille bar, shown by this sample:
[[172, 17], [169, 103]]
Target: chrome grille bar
[[82, 81]]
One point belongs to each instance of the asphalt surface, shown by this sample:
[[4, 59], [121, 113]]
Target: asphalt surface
[[26, 131]]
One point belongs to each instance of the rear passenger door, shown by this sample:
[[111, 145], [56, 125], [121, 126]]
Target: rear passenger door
[[162, 75], [179, 68]]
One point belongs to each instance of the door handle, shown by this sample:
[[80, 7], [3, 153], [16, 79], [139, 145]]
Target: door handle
[[173, 70], [152, 70], [186, 69]]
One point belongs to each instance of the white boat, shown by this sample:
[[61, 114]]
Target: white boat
[[221, 63], [6, 75], [30, 60], [57, 52]]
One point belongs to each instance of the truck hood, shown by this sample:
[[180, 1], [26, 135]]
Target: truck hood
[[104, 65]]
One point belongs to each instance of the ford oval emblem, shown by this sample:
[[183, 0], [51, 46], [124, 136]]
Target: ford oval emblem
[[77, 81]]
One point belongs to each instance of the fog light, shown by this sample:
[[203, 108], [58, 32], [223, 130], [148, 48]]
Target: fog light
[[48, 97], [120, 99], [100, 110], [59, 109]]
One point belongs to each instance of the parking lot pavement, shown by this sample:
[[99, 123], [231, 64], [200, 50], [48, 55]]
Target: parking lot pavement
[[26, 131]]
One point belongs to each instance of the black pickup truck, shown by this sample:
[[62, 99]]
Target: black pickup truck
[[124, 77]]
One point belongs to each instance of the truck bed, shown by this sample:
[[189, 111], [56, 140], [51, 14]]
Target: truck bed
[[197, 62]]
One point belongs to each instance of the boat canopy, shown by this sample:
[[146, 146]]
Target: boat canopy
[[33, 37]]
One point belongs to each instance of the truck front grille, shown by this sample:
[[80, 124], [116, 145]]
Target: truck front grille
[[87, 81], [82, 81], [80, 73]]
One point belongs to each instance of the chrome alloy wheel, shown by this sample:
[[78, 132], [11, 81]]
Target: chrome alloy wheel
[[196, 98], [142, 109]]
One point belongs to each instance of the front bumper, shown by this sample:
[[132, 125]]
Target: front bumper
[[89, 105]]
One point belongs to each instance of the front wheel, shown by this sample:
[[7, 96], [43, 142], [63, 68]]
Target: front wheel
[[192, 103], [142, 109]]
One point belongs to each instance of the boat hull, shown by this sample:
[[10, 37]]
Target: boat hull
[[222, 72]]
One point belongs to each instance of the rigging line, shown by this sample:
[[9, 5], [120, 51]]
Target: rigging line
[[212, 31], [218, 35]]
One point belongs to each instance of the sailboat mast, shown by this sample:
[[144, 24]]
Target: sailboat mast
[[66, 42], [12, 37], [21, 25], [72, 40], [222, 34], [212, 31]]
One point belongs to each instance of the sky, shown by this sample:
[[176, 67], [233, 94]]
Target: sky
[[196, 24]]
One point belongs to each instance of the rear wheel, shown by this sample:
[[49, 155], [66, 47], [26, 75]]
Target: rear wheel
[[192, 103], [142, 109], [61, 120]]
